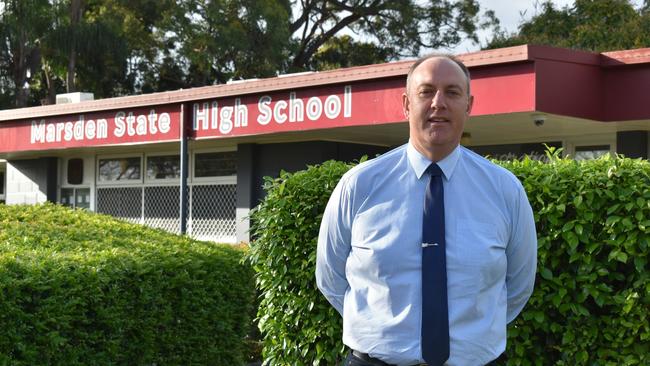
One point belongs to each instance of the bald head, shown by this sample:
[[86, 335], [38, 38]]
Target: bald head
[[452, 58]]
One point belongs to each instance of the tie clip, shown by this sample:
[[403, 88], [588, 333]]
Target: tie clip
[[425, 245]]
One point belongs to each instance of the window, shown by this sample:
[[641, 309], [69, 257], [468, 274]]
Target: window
[[164, 167], [119, 169], [590, 152], [76, 197], [215, 164]]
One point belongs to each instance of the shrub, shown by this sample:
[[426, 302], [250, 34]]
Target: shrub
[[78, 288], [592, 295], [591, 300], [298, 325]]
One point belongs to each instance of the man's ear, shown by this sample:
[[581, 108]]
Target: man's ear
[[405, 105], [470, 104]]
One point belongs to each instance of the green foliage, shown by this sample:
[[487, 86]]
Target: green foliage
[[22, 23], [344, 51], [603, 25], [78, 288], [117, 47], [223, 40], [101, 52], [592, 296], [298, 324], [401, 28]]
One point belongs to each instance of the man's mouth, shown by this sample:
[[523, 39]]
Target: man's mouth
[[438, 120]]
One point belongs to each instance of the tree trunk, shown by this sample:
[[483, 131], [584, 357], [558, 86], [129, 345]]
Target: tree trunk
[[20, 71], [51, 91], [72, 61], [75, 18]]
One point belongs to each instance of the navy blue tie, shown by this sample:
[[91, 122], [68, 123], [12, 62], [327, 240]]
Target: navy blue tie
[[435, 316]]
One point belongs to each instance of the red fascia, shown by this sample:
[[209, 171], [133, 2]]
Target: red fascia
[[611, 86], [505, 88]]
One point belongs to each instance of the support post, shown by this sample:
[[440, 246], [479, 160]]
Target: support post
[[183, 178]]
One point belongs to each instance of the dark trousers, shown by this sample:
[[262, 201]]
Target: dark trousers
[[354, 360]]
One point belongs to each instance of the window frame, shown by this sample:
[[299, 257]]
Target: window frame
[[590, 148], [570, 144], [127, 182], [159, 181], [223, 179], [75, 189]]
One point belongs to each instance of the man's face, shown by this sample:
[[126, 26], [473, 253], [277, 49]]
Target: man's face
[[437, 104]]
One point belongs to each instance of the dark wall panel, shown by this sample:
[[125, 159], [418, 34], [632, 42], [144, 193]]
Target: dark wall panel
[[52, 168], [514, 150], [270, 159], [632, 144], [246, 169]]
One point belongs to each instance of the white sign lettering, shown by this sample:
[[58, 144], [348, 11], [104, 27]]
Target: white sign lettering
[[210, 116], [124, 124], [42, 132]]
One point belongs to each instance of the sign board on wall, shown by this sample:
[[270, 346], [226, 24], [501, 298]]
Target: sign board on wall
[[127, 126], [365, 103], [297, 110]]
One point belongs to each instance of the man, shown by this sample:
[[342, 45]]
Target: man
[[427, 263]]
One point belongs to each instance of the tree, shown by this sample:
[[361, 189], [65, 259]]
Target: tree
[[216, 41], [598, 26], [94, 44], [22, 26], [344, 51], [50, 47], [118, 47], [404, 27], [140, 28]]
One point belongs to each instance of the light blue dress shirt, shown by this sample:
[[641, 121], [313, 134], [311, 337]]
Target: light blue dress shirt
[[370, 246]]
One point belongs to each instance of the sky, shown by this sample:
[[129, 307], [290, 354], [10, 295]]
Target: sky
[[509, 14]]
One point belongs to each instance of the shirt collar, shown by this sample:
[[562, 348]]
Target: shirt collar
[[419, 163]]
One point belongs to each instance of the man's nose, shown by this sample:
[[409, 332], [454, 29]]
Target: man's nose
[[438, 100]]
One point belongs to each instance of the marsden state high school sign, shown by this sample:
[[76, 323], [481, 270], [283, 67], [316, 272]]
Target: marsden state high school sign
[[324, 107]]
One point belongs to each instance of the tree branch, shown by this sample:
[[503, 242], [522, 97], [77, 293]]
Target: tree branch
[[312, 46], [306, 11]]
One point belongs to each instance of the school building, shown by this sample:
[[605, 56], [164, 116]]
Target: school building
[[194, 160]]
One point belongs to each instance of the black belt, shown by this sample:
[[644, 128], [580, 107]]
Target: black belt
[[377, 362], [371, 360]]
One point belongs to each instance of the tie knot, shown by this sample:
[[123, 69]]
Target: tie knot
[[434, 170]]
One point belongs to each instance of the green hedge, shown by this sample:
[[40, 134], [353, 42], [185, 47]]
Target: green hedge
[[298, 325], [78, 288], [591, 300], [592, 296]]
